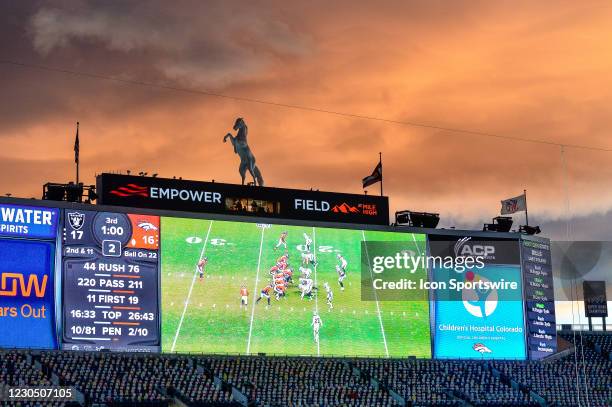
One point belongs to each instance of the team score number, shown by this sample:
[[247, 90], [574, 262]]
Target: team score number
[[138, 332], [37, 394], [76, 234], [141, 316], [85, 314], [148, 239]]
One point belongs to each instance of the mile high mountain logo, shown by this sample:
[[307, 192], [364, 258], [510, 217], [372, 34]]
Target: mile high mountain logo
[[363, 209], [345, 208]]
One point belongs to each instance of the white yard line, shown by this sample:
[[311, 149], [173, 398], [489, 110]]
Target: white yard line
[[382, 327], [314, 245], [195, 274], [248, 349]]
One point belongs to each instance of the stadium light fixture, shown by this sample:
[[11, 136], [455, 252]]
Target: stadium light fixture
[[530, 230], [74, 192], [70, 192], [417, 219], [54, 192], [500, 224], [91, 194]]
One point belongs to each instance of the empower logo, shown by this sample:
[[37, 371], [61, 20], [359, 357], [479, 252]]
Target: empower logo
[[13, 283]]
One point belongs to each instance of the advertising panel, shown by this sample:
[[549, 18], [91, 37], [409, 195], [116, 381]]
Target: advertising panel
[[214, 197], [27, 253], [478, 309]]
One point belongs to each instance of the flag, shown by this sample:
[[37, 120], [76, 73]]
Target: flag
[[375, 177], [512, 205], [76, 146]]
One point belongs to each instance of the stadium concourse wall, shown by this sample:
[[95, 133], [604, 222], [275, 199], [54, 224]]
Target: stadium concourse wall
[[265, 331]]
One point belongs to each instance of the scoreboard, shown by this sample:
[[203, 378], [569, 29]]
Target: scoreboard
[[539, 297], [110, 281], [80, 277]]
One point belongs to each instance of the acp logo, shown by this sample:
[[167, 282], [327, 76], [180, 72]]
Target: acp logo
[[462, 249], [15, 284], [479, 303]]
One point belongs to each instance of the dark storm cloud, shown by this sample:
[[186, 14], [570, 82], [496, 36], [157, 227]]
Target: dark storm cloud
[[521, 69]]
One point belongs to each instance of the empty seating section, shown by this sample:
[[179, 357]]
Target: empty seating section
[[133, 379], [17, 369], [431, 382], [583, 377], [298, 381]]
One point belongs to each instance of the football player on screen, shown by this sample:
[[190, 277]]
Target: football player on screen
[[265, 293], [282, 241], [244, 297], [201, 267], [330, 296], [306, 286], [341, 270], [316, 325], [305, 272], [307, 242], [308, 258]]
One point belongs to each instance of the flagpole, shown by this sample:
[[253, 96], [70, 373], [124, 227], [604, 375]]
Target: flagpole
[[526, 214], [381, 178], [77, 152]]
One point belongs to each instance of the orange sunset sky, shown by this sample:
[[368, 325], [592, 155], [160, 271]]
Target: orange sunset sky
[[536, 70]]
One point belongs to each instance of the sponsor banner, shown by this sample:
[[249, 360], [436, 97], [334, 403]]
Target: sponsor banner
[[28, 221], [488, 250], [596, 304], [481, 324], [211, 197], [27, 312]]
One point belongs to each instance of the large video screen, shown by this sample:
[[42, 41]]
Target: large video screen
[[247, 288], [77, 278]]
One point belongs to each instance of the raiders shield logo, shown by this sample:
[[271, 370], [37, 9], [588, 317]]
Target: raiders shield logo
[[76, 220]]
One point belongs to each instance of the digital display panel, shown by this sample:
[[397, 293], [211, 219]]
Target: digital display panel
[[110, 281], [27, 253], [150, 283], [539, 298], [483, 320], [222, 292]]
